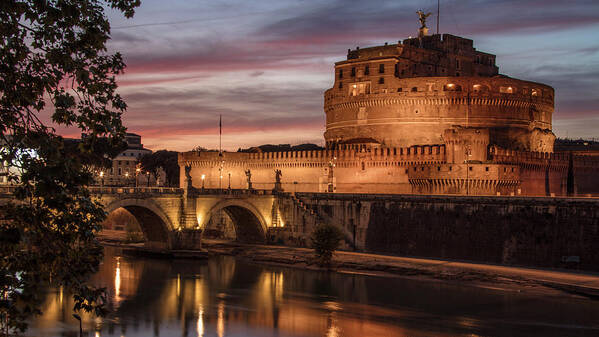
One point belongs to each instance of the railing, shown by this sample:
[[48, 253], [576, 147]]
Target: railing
[[235, 192], [135, 190]]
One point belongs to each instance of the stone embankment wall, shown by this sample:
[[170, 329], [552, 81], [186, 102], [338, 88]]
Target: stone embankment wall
[[541, 232]]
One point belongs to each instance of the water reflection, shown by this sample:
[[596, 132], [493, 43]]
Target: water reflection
[[224, 297]]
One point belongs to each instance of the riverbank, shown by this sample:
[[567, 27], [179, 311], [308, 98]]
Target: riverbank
[[537, 281], [480, 275]]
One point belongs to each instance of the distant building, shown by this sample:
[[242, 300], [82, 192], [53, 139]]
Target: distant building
[[124, 165]]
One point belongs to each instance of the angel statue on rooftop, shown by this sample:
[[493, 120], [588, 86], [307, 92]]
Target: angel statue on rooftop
[[422, 17]]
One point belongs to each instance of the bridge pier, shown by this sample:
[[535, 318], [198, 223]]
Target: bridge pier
[[187, 239]]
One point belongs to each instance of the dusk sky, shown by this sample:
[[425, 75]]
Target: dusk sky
[[264, 65]]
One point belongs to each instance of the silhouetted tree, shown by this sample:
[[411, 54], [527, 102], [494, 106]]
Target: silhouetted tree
[[53, 58], [168, 160], [325, 240]]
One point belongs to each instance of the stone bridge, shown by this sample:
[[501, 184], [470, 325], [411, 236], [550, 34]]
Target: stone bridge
[[538, 231], [173, 218]]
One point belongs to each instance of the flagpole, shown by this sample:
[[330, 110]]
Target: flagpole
[[438, 11]]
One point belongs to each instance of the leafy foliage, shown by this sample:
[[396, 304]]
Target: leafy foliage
[[53, 59], [325, 240], [168, 160]]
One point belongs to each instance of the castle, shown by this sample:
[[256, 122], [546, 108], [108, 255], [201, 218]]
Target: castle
[[428, 115]]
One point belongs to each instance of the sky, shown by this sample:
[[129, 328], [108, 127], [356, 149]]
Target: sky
[[264, 65]]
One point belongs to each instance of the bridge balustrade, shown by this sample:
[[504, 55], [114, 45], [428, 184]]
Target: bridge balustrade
[[135, 190]]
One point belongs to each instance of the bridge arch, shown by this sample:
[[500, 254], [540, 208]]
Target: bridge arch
[[153, 221], [250, 225]]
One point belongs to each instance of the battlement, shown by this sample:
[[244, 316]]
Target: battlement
[[409, 155], [500, 155]]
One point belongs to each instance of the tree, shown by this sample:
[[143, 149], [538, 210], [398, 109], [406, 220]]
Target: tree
[[168, 160], [325, 240], [53, 58]]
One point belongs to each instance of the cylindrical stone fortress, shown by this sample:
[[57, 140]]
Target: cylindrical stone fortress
[[396, 96]]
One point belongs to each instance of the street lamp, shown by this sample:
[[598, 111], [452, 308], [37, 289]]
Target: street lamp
[[137, 171], [102, 178], [126, 178], [148, 175], [332, 164], [203, 179], [467, 161]]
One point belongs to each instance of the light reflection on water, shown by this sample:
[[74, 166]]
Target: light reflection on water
[[225, 297]]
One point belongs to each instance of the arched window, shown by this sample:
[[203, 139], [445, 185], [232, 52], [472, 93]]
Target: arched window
[[452, 87], [535, 92], [507, 90], [479, 88]]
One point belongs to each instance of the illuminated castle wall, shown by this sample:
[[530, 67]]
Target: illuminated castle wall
[[404, 95], [426, 116]]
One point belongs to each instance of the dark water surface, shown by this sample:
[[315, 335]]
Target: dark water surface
[[227, 297]]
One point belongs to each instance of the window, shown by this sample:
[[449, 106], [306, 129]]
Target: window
[[340, 85], [438, 168], [506, 90], [382, 80], [120, 171], [396, 72], [353, 72], [451, 168], [399, 89], [381, 68], [367, 70], [359, 88], [457, 64], [470, 168], [414, 89], [363, 166], [487, 168], [340, 73], [457, 74], [452, 87], [535, 92]]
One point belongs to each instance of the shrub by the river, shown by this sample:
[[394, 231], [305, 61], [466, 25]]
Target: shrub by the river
[[325, 240]]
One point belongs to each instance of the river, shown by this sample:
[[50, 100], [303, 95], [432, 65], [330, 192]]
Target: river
[[223, 296]]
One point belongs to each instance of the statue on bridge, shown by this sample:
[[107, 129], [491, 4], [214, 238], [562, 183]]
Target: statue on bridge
[[248, 175], [278, 187], [188, 184]]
